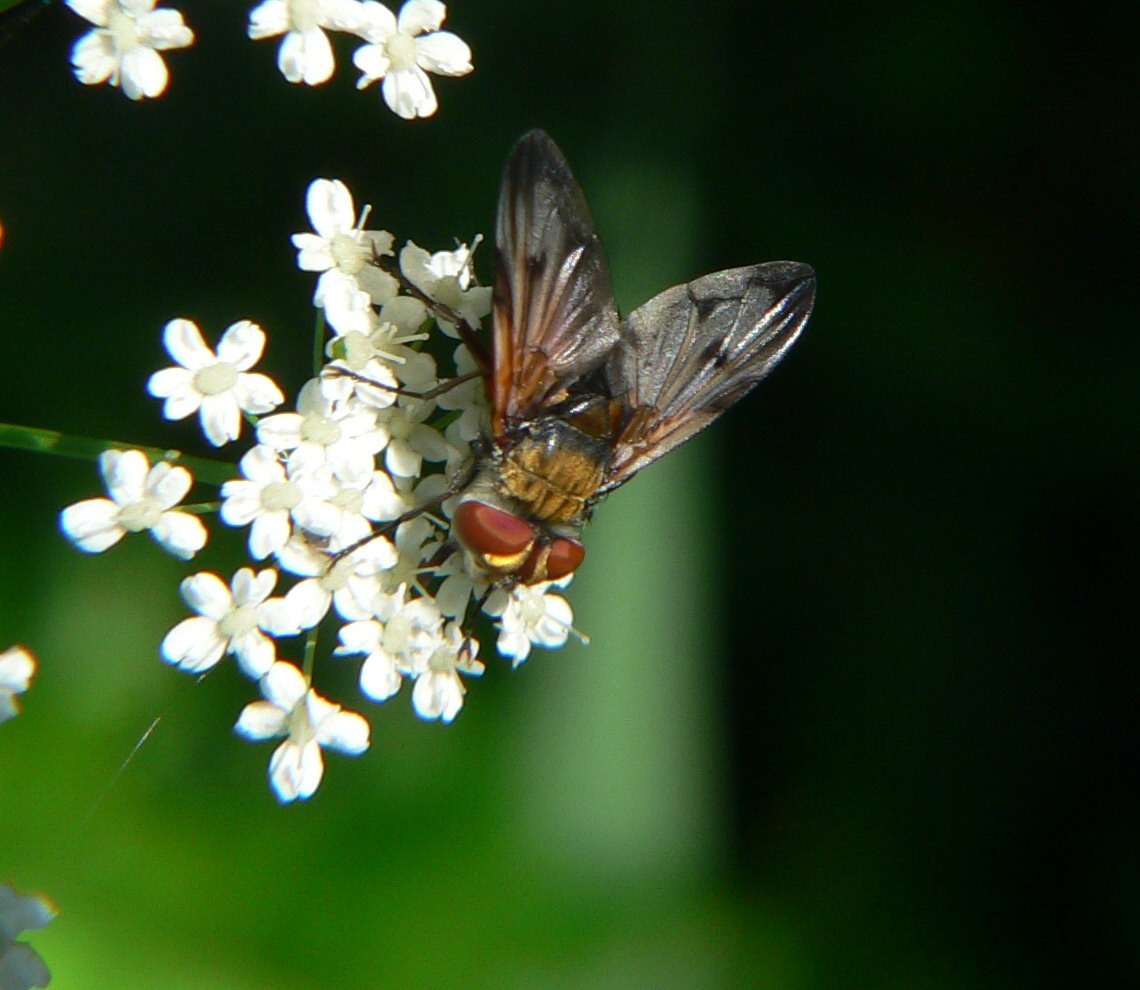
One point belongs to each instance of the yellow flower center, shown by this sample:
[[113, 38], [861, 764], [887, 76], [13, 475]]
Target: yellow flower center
[[216, 379], [124, 33], [401, 50]]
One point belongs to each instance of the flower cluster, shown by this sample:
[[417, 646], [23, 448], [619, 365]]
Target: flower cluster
[[346, 498], [122, 48]]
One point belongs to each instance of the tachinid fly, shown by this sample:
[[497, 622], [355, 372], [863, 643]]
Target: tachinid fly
[[582, 400]]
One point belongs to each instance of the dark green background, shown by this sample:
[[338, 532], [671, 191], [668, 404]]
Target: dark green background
[[861, 704]]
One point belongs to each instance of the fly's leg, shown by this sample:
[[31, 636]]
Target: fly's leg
[[431, 393]]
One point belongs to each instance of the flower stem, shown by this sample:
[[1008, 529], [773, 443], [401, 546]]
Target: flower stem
[[200, 508], [319, 343], [310, 654], [89, 449]]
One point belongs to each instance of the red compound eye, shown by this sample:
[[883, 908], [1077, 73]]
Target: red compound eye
[[565, 556], [487, 530], [553, 560]]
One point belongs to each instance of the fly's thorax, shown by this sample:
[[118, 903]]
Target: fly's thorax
[[520, 517], [531, 490], [551, 470]]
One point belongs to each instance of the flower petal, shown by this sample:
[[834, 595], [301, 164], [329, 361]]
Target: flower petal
[[257, 394], [378, 23], [268, 19], [22, 967], [373, 63], [92, 525], [93, 58], [270, 532], [313, 252], [443, 53], [418, 16], [409, 93], [168, 483], [220, 418], [242, 345], [95, 11], [254, 653], [180, 534], [284, 686], [142, 73], [164, 29], [345, 731], [295, 771], [242, 502], [306, 604], [183, 341], [125, 473], [194, 645], [438, 695], [306, 56], [253, 589], [261, 720], [17, 668], [329, 205], [379, 678], [207, 594]]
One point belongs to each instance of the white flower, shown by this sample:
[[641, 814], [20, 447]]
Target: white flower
[[401, 638], [124, 45], [446, 277], [218, 386], [348, 308], [417, 541], [471, 399], [458, 587], [142, 497], [407, 315], [350, 582], [387, 498], [410, 439], [273, 496], [227, 622], [439, 691], [402, 49], [340, 250], [291, 708], [21, 967], [345, 435], [17, 668], [374, 498], [528, 615], [305, 54], [373, 383]]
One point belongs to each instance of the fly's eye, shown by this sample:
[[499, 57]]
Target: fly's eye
[[488, 530], [549, 561], [565, 556]]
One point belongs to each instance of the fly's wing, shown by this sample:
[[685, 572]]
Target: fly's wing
[[692, 351], [554, 315]]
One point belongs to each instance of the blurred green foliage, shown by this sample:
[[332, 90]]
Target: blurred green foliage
[[860, 706]]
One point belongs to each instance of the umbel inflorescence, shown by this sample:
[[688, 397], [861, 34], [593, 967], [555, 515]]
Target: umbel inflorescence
[[126, 36], [331, 494]]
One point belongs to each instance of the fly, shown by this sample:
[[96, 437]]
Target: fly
[[580, 400]]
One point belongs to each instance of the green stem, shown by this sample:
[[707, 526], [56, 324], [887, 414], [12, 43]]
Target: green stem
[[319, 343], [89, 449], [200, 508], [310, 655]]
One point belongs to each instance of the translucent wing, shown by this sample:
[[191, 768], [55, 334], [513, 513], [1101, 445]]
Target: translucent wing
[[554, 315], [692, 351]]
